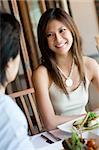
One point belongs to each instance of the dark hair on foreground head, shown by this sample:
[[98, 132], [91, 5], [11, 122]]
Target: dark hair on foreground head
[[9, 41], [48, 55]]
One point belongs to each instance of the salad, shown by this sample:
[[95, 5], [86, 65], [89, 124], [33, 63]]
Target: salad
[[76, 142], [89, 122]]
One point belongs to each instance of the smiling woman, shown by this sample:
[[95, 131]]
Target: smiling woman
[[62, 80]]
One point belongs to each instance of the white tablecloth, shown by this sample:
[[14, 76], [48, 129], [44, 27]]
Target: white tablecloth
[[55, 146], [40, 144]]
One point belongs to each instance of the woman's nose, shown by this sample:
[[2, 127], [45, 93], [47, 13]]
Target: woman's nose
[[58, 37]]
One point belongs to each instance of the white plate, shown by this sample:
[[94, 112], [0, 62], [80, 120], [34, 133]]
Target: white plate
[[67, 127]]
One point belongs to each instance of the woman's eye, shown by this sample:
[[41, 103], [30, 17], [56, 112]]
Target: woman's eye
[[62, 30], [49, 34]]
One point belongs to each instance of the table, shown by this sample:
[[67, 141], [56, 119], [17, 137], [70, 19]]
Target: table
[[39, 143]]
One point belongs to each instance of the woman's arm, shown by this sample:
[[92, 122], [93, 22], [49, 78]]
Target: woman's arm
[[41, 86], [92, 71]]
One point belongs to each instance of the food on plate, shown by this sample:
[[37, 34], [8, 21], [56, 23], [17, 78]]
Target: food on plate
[[89, 122], [73, 143], [76, 142], [91, 144]]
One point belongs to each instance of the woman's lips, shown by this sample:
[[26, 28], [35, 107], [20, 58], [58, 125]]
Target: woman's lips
[[60, 45]]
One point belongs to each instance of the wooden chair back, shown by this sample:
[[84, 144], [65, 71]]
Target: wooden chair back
[[26, 100]]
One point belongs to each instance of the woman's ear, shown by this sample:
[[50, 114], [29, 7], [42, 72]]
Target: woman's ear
[[12, 68], [9, 70], [9, 63]]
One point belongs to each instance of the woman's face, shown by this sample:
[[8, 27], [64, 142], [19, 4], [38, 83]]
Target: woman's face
[[59, 37], [12, 68]]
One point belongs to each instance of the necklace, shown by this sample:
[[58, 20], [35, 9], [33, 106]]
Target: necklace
[[68, 80]]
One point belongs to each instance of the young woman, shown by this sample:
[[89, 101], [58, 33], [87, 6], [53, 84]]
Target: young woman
[[61, 82], [13, 124]]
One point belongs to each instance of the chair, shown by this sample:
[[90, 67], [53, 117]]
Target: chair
[[26, 100]]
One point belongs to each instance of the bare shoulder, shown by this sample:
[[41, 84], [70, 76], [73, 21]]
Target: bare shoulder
[[40, 70], [91, 66], [40, 76], [88, 61]]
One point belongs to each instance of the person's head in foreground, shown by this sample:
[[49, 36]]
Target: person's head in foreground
[[9, 49], [13, 124]]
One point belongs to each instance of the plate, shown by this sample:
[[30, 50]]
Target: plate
[[67, 127]]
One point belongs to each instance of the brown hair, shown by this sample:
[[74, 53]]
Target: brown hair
[[48, 54]]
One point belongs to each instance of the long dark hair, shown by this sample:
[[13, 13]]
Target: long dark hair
[[9, 41], [48, 54]]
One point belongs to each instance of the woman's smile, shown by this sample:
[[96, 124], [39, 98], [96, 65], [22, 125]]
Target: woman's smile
[[60, 45]]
